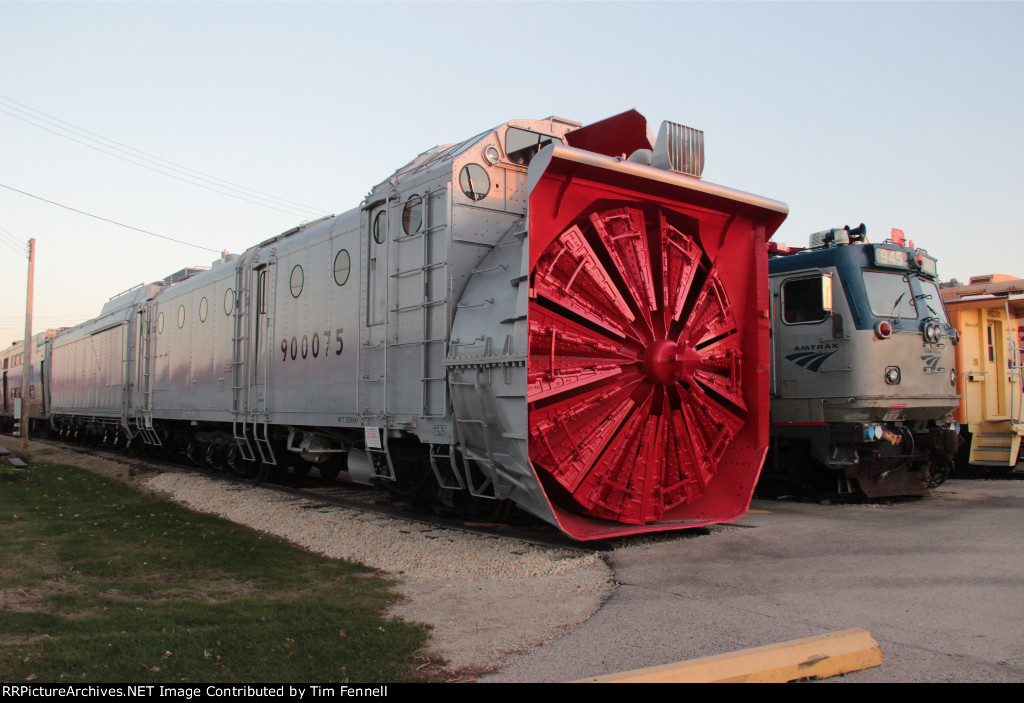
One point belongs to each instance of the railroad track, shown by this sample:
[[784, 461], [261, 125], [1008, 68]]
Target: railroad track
[[519, 526]]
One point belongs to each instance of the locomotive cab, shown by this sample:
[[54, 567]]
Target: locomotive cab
[[862, 365]]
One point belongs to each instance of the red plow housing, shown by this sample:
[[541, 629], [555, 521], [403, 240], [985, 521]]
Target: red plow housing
[[648, 350]]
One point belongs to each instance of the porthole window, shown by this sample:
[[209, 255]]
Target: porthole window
[[342, 267], [203, 309], [380, 227], [229, 301], [412, 214], [297, 279], [474, 181], [160, 323], [181, 316]]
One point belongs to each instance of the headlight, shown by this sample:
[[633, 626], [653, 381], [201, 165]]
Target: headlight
[[883, 329], [892, 375]]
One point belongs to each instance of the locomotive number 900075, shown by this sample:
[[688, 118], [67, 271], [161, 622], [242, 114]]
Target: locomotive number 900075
[[307, 347]]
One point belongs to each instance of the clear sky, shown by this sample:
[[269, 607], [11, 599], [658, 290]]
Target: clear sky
[[903, 115]]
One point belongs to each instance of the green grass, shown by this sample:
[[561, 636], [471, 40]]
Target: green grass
[[99, 583]]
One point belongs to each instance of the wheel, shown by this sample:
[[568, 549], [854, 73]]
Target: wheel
[[329, 470], [255, 471], [194, 452], [233, 460], [335, 464], [938, 471], [133, 446], [214, 457]]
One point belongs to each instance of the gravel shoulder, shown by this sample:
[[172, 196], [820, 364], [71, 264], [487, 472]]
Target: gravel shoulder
[[486, 598]]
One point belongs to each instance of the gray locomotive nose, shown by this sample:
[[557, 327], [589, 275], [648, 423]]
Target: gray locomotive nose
[[859, 334]]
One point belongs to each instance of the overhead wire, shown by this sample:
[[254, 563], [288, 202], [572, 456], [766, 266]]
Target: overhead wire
[[82, 132], [13, 242], [8, 235], [115, 222], [13, 246], [169, 175], [15, 249], [159, 165]]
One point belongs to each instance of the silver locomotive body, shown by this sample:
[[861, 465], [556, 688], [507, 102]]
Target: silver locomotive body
[[863, 379], [396, 341]]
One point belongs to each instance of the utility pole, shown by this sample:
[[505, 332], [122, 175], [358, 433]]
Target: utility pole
[[26, 375]]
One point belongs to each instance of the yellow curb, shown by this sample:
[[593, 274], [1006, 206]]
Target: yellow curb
[[812, 657]]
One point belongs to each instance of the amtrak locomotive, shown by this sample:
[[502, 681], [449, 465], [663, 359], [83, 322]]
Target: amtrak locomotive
[[862, 371]]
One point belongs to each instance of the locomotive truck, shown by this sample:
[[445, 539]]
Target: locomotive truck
[[562, 317]]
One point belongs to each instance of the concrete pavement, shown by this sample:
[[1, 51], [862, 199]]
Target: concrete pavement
[[937, 581]]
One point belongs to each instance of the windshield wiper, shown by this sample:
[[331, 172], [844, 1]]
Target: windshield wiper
[[892, 313]]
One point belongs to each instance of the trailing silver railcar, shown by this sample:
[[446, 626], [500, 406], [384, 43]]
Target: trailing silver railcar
[[562, 317], [13, 365], [862, 374]]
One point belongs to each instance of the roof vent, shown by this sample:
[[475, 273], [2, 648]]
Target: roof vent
[[679, 148]]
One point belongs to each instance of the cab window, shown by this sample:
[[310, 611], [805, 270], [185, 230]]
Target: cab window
[[889, 295], [803, 300], [930, 302], [522, 145]]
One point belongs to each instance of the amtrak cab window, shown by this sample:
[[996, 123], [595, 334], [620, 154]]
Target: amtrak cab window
[[932, 303], [889, 294], [522, 145], [803, 300]]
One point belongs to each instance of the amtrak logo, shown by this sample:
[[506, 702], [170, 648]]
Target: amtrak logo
[[811, 361], [931, 362]]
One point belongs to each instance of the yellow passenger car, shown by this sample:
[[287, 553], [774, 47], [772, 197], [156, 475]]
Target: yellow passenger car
[[989, 312]]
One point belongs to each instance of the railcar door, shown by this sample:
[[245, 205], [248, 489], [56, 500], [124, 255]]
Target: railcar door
[[995, 399], [263, 334], [373, 342], [802, 344]]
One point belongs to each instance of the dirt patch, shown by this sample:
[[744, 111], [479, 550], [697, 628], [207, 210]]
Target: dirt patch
[[186, 590], [134, 472], [32, 600]]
